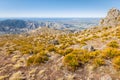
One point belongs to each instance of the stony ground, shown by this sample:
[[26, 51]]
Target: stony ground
[[13, 67]]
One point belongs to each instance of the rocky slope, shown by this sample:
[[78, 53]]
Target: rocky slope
[[48, 54]]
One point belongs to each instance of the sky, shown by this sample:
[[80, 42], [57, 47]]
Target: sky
[[56, 8]]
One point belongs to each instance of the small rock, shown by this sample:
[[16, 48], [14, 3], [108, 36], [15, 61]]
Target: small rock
[[106, 77], [55, 42], [88, 47]]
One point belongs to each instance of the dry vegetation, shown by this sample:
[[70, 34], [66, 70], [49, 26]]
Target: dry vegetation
[[40, 46]]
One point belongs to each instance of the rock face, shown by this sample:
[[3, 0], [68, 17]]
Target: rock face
[[112, 18]]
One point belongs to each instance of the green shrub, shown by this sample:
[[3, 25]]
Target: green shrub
[[98, 62], [71, 61], [95, 54], [51, 48], [31, 60], [116, 62], [2, 43], [110, 53], [105, 34], [37, 59], [84, 58], [67, 51], [76, 58], [113, 44]]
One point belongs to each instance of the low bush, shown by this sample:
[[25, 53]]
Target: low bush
[[109, 53], [67, 51], [98, 62], [2, 43], [116, 62], [51, 48], [95, 54], [71, 61], [76, 58], [113, 44], [37, 59]]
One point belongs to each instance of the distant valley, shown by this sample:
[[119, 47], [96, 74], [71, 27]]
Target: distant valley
[[20, 25]]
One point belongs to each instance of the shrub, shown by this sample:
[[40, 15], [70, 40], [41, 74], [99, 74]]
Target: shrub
[[116, 62], [105, 35], [113, 44], [110, 53], [71, 61], [31, 60], [95, 36], [67, 51], [59, 51], [105, 28], [26, 48], [84, 58], [10, 51], [98, 62], [37, 59], [77, 51], [76, 58], [51, 48], [94, 54], [2, 43], [65, 45]]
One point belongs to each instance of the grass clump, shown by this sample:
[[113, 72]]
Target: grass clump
[[37, 59], [67, 51], [51, 48], [2, 43], [116, 62], [71, 61], [113, 44], [76, 59], [110, 53], [95, 54], [98, 62]]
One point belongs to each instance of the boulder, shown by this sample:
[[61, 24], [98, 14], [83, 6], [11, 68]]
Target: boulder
[[55, 42], [88, 48]]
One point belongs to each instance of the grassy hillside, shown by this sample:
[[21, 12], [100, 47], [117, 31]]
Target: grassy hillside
[[89, 54]]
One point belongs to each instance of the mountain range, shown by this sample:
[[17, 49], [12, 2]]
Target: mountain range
[[16, 26]]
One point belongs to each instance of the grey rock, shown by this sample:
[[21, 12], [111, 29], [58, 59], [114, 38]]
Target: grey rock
[[112, 18], [88, 47], [55, 42]]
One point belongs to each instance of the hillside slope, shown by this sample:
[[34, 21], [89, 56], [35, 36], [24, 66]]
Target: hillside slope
[[48, 54]]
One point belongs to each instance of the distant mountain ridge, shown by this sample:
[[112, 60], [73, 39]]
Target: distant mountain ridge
[[15, 26]]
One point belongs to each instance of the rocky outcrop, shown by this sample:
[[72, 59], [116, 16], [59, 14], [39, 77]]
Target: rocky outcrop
[[112, 18]]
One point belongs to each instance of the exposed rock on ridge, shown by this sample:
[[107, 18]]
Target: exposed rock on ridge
[[112, 18]]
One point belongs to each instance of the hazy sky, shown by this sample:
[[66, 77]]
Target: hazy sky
[[56, 8]]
